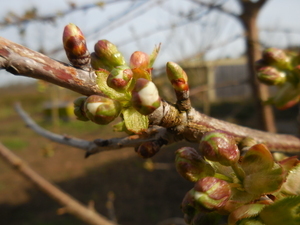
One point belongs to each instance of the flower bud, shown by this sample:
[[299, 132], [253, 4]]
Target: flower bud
[[145, 98], [219, 146], [96, 62], [276, 57], [271, 76], [177, 77], [109, 55], [119, 78], [191, 166], [79, 108], [139, 60], [287, 96], [148, 149], [75, 47], [211, 193], [101, 110]]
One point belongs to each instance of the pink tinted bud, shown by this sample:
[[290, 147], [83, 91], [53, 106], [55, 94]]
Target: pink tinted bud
[[119, 78], [211, 193], [139, 60], [191, 166], [75, 47], [219, 146], [271, 76]]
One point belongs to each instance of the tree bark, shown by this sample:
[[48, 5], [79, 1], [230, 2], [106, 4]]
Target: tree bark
[[249, 20]]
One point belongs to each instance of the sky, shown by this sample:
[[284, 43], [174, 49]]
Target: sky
[[140, 25]]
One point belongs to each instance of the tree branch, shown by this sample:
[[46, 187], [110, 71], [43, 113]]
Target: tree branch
[[98, 145], [20, 60], [218, 7], [174, 124], [70, 205]]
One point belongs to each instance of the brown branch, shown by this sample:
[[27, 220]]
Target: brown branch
[[177, 125], [20, 60], [70, 205]]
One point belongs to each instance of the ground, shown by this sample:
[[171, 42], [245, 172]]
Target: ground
[[141, 196]]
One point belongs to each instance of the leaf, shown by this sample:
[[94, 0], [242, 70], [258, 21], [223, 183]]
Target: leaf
[[265, 181], [245, 211], [154, 54], [285, 211], [135, 121], [256, 159], [292, 184]]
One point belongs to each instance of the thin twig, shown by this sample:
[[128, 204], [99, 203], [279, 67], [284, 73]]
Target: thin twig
[[98, 145], [70, 205]]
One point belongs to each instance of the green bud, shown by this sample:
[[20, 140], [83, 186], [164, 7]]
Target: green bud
[[211, 193], [220, 147], [177, 77], [276, 57], [96, 62], [101, 110], [145, 97], [139, 60], [79, 108], [75, 47], [271, 76], [287, 96], [191, 166], [119, 78], [109, 55]]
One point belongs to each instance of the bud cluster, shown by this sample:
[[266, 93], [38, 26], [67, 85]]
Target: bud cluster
[[280, 68], [226, 183]]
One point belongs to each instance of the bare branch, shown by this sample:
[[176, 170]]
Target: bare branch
[[218, 7], [70, 205], [20, 60], [98, 145]]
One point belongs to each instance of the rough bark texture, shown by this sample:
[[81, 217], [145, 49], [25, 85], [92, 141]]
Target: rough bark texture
[[188, 125]]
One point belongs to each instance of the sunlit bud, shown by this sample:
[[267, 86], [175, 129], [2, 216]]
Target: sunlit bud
[[145, 97], [79, 108], [75, 47], [109, 55], [211, 193], [277, 57], [191, 166], [287, 96], [177, 77], [220, 147], [271, 76], [101, 110], [119, 78], [149, 149], [139, 60]]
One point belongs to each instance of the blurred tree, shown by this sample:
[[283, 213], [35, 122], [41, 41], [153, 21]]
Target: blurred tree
[[248, 18]]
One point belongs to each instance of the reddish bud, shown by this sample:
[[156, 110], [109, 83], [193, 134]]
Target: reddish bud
[[271, 76], [191, 166], [219, 146], [139, 60], [276, 57], [119, 78], [211, 193], [75, 47]]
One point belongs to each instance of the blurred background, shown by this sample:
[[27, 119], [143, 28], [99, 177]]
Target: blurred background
[[206, 37]]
